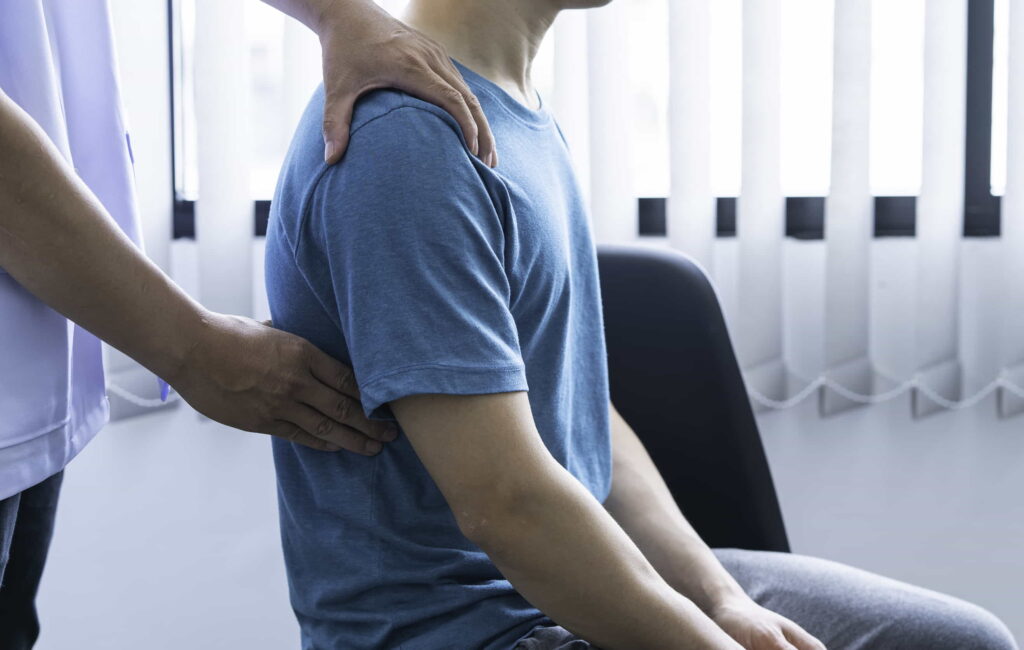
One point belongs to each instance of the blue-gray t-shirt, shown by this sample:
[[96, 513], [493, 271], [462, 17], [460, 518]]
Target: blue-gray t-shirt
[[429, 273]]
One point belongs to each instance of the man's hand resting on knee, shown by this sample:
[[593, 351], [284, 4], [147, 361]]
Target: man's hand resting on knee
[[642, 504]]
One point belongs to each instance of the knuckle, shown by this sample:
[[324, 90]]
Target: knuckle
[[452, 95], [473, 102], [345, 377], [410, 63], [324, 427], [343, 410], [765, 634], [291, 388]]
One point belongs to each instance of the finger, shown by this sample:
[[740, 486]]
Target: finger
[[431, 87], [769, 637], [322, 427], [337, 123], [332, 373], [800, 638], [345, 410], [780, 642], [488, 150], [290, 432]]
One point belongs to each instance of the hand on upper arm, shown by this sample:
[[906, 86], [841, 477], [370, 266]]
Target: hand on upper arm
[[477, 448]]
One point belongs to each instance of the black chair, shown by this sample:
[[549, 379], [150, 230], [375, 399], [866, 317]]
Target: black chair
[[675, 379]]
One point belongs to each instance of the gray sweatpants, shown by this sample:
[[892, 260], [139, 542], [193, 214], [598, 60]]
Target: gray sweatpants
[[845, 608]]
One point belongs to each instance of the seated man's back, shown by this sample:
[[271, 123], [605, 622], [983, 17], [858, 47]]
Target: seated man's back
[[429, 273]]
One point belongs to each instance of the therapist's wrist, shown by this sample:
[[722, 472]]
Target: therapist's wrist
[[190, 331], [328, 18]]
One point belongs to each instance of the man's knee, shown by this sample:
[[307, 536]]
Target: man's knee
[[947, 625]]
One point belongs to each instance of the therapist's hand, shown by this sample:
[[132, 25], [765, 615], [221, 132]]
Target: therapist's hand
[[59, 243], [364, 48], [251, 376]]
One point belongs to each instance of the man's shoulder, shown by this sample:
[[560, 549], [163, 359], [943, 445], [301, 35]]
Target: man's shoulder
[[397, 109], [381, 119], [395, 138], [404, 157]]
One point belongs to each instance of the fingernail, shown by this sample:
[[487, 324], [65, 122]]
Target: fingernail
[[329, 148], [373, 447], [494, 159], [474, 147], [390, 433]]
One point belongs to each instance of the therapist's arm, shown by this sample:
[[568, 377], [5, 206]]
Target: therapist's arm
[[545, 532], [642, 504], [365, 48], [59, 243]]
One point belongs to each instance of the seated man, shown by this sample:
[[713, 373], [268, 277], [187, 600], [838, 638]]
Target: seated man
[[466, 300]]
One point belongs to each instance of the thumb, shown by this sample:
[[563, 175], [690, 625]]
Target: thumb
[[337, 122]]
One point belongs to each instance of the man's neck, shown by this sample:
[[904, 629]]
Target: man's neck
[[496, 38]]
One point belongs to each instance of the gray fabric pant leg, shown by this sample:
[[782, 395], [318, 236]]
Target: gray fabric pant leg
[[850, 609], [845, 608]]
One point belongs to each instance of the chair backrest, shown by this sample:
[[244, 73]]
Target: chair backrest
[[674, 377]]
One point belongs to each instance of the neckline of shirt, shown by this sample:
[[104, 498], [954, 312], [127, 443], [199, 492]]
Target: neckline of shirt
[[538, 118]]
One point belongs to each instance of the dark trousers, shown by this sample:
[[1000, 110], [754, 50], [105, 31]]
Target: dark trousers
[[26, 527]]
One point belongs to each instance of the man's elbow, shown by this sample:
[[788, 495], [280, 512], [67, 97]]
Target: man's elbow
[[495, 516]]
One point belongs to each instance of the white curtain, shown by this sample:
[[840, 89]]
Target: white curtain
[[613, 201], [1012, 401], [849, 212], [691, 205], [224, 207], [761, 208], [940, 205]]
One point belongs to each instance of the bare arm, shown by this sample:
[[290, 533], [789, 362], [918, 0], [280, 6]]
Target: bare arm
[[544, 531], [365, 48], [60, 244], [642, 504]]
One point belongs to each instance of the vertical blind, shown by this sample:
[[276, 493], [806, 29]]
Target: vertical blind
[[848, 376], [1012, 401]]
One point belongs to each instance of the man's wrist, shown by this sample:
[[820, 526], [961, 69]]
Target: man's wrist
[[723, 597], [711, 593]]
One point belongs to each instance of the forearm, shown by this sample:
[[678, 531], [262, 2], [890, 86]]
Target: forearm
[[566, 555], [59, 243], [642, 504]]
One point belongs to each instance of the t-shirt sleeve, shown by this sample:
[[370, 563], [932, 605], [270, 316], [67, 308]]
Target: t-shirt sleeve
[[415, 253]]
